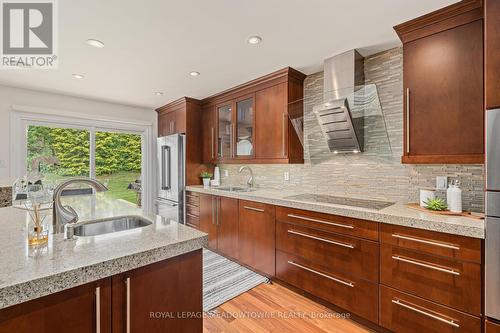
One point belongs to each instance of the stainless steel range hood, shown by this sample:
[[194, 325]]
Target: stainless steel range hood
[[343, 90]]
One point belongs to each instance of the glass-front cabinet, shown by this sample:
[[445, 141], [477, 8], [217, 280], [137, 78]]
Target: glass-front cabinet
[[225, 131], [245, 118], [236, 123]]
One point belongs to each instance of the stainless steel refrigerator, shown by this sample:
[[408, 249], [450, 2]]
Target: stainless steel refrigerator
[[171, 176], [492, 247]]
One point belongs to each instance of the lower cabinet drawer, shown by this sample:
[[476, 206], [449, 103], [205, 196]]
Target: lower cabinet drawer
[[456, 284], [193, 199], [492, 327], [352, 294], [192, 221], [403, 313], [347, 254]]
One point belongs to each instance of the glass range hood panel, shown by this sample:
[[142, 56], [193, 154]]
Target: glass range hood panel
[[367, 117]]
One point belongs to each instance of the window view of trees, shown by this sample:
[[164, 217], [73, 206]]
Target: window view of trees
[[117, 156]]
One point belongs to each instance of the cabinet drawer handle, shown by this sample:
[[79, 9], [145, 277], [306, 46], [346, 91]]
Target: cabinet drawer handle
[[217, 209], [425, 241], [407, 120], [213, 210], [350, 246], [283, 135], [425, 313], [345, 283], [98, 310], [426, 265], [231, 136], [212, 143], [127, 282], [320, 221], [254, 209]]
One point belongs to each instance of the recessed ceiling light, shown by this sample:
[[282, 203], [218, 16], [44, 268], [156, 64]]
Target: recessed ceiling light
[[95, 43], [254, 40], [158, 93], [194, 73], [78, 76]]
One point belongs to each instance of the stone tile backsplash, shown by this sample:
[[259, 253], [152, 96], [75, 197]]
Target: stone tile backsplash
[[5, 196], [366, 175]]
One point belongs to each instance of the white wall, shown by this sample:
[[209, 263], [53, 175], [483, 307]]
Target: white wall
[[65, 105]]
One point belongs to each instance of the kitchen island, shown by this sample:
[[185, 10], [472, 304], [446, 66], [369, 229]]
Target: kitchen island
[[128, 263]]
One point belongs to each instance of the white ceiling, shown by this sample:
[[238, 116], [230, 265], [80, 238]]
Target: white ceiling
[[152, 45]]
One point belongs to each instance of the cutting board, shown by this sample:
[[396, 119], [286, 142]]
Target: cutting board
[[476, 216]]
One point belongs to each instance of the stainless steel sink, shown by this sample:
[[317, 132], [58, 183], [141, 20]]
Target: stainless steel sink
[[235, 189], [108, 225]]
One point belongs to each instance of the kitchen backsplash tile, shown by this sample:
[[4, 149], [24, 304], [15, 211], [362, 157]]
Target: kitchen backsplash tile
[[5, 196], [365, 175]]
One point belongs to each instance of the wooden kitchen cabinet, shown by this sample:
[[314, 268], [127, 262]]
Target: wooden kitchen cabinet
[[443, 86], [257, 232], [251, 123], [492, 327], [207, 219], [193, 209], [172, 122], [208, 135], [219, 219], [183, 116], [492, 53], [343, 289], [227, 226], [171, 287], [71, 311], [453, 283], [401, 312], [272, 122]]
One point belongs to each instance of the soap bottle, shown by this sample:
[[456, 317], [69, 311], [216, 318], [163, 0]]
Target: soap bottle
[[456, 198], [448, 193]]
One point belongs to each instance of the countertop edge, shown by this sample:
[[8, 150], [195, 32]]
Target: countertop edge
[[29, 290], [375, 216]]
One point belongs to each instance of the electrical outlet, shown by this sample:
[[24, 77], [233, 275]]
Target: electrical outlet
[[226, 173], [2, 164], [286, 176], [441, 182]]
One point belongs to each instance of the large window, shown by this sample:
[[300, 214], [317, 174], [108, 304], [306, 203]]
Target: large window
[[113, 157]]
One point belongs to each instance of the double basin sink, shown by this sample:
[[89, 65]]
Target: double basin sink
[[234, 189]]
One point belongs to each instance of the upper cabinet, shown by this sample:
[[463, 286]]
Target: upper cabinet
[[251, 122], [183, 116], [443, 85], [225, 131], [492, 55], [244, 125]]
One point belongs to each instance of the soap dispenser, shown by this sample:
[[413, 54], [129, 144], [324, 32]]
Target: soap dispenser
[[456, 198]]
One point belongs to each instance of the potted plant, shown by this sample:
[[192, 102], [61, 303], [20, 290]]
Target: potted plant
[[206, 178]]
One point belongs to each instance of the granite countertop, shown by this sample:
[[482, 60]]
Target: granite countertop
[[397, 214], [28, 273]]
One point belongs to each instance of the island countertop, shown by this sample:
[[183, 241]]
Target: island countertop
[[398, 214], [28, 273]]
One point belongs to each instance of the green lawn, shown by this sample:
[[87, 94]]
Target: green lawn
[[118, 183]]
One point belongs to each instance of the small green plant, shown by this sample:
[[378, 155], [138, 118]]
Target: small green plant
[[205, 174], [436, 204]]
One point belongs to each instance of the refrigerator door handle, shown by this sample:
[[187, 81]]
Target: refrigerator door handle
[[165, 170]]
